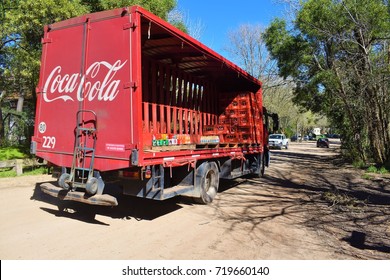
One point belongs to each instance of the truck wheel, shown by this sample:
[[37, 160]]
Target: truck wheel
[[207, 180], [63, 181], [92, 186]]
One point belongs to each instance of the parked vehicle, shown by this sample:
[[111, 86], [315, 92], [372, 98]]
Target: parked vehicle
[[323, 143], [142, 105], [278, 141]]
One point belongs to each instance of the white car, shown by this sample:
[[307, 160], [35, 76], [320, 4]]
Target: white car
[[278, 141]]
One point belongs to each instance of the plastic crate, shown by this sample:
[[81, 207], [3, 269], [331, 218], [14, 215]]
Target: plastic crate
[[223, 119], [234, 121], [247, 138], [246, 121], [222, 129], [209, 130], [244, 104], [234, 105], [230, 138], [232, 113], [244, 130]]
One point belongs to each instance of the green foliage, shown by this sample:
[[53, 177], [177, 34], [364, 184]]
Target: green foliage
[[367, 176], [374, 169], [9, 153], [337, 54], [383, 170], [7, 172], [359, 164], [160, 8], [23, 30]]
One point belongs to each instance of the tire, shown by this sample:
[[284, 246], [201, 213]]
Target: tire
[[92, 186], [207, 180], [260, 166], [62, 181]]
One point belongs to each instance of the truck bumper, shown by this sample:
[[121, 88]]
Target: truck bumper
[[55, 191]]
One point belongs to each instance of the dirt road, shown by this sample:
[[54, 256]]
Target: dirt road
[[309, 206]]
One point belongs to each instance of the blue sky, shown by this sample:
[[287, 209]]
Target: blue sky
[[218, 17]]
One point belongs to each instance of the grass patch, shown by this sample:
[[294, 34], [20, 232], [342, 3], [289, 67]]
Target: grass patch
[[9, 172], [359, 164], [35, 170], [383, 170], [367, 176], [374, 169]]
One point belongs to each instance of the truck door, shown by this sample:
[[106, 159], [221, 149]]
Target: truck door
[[85, 78]]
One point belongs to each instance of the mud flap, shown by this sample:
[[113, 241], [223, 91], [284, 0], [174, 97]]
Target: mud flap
[[267, 157]]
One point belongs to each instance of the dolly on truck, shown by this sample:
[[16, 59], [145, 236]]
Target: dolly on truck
[[125, 97]]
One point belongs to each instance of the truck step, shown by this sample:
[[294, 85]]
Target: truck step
[[55, 191]]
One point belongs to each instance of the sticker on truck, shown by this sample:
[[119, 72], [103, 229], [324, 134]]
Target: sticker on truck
[[115, 147]]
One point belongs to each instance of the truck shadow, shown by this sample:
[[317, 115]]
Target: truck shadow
[[312, 191], [128, 207]]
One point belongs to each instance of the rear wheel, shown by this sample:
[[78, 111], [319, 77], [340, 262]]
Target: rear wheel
[[207, 180], [260, 165]]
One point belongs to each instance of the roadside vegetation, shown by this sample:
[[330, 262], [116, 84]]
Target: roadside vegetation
[[10, 153], [337, 55], [7, 153]]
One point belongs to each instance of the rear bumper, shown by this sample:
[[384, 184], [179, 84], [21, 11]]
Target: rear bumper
[[55, 191]]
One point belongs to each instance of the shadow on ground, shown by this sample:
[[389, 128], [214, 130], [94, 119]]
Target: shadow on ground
[[128, 207], [358, 228]]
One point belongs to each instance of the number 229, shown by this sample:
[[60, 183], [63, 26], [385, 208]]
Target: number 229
[[49, 142]]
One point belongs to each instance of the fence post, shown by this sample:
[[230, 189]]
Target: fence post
[[19, 167]]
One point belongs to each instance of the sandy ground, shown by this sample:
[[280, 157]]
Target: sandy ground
[[308, 206]]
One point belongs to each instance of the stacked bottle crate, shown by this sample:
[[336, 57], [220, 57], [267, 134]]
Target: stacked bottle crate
[[237, 124]]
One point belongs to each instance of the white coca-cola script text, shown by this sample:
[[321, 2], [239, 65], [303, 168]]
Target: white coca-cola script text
[[63, 86]]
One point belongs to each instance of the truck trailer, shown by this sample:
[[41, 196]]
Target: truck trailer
[[126, 99]]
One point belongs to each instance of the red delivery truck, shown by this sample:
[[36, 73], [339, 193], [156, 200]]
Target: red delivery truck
[[125, 97]]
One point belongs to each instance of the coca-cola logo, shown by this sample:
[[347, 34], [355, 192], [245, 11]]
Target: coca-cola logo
[[84, 87]]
